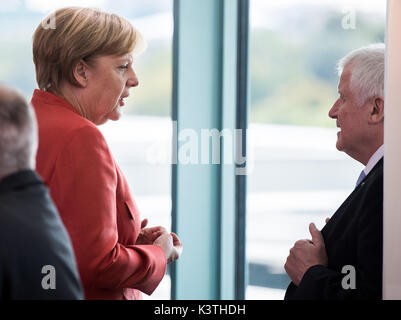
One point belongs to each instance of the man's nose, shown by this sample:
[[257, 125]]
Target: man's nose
[[333, 111]]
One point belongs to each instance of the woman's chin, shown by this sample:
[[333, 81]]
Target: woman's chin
[[115, 114]]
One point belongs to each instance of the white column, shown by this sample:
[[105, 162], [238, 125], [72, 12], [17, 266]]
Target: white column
[[392, 158]]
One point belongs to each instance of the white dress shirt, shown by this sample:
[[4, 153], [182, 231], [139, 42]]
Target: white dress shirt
[[374, 159]]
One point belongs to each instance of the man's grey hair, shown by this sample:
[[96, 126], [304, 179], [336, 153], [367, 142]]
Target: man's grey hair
[[367, 71], [18, 132]]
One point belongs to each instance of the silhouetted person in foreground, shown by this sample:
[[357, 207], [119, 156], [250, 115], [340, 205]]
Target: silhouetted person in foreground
[[36, 256]]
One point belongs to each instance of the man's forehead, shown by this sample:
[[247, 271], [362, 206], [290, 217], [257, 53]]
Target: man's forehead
[[344, 79]]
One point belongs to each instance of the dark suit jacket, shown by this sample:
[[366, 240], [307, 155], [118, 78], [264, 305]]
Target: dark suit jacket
[[353, 236], [31, 237]]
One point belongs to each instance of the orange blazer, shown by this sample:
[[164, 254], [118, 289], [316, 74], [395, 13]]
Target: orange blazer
[[95, 204]]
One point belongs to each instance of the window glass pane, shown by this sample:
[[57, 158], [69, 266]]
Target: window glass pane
[[140, 141], [298, 175]]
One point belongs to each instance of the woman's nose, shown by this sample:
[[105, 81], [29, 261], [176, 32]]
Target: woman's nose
[[132, 80]]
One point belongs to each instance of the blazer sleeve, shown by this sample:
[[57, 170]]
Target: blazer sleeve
[[320, 282], [84, 187]]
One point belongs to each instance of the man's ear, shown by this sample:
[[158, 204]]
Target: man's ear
[[376, 110], [81, 73]]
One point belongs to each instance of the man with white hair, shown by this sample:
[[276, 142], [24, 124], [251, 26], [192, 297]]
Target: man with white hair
[[36, 256], [344, 260]]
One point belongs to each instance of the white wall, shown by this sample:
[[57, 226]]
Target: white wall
[[392, 158]]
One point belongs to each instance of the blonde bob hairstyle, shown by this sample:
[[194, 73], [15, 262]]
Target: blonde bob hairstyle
[[79, 33]]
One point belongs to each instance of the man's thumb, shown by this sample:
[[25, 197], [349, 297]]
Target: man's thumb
[[317, 237]]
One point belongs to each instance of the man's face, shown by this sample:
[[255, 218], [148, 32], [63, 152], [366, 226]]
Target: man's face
[[351, 118]]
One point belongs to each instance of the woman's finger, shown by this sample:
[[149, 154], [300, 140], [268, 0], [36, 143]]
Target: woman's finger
[[144, 223], [176, 241]]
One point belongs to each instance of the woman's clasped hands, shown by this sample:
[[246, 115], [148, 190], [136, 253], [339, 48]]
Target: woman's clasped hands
[[168, 242]]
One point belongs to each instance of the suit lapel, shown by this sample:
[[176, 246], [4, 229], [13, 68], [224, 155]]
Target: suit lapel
[[354, 194]]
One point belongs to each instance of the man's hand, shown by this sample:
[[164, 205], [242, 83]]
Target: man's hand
[[306, 254], [149, 235]]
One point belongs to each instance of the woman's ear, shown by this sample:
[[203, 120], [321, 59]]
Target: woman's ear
[[81, 73], [377, 110]]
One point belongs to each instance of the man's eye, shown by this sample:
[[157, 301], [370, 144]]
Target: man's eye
[[124, 66]]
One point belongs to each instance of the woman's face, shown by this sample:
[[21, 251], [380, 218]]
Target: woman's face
[[109, 81]]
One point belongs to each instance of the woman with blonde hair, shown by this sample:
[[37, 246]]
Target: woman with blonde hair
[[84, 70]]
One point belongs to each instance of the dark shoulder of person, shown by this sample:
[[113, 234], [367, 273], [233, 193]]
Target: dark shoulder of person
[[36, 256]]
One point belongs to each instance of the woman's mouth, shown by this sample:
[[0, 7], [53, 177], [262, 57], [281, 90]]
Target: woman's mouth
[[121, 101]]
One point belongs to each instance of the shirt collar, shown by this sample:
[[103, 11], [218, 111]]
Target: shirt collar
[[374, 159]]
